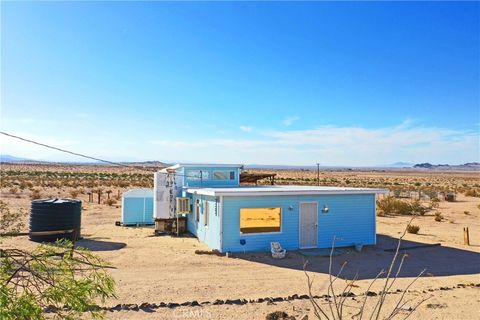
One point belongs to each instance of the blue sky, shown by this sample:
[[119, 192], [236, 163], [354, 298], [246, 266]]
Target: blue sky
[[274, 83]]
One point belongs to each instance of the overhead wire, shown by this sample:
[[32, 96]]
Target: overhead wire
[[84, 155]]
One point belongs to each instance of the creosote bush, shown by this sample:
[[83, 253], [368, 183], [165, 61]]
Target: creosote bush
[[35, 194], [472, 193], [411, 228], [393, 206], [110, 202], [74, 193], [438, 216]]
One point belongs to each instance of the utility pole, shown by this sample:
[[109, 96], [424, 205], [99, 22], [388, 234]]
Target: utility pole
[[318, 174]]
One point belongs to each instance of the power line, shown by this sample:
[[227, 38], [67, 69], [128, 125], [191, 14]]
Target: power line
[[74, 153], [94, 158]]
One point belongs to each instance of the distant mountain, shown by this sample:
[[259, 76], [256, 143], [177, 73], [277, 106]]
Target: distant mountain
[[401, 164], [466, 166], [9, 158], [5, 158]]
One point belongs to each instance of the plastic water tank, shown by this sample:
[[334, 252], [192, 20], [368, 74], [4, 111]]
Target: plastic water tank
[[52, 219]]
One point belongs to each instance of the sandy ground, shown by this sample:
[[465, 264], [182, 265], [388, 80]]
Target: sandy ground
[[162, 269]]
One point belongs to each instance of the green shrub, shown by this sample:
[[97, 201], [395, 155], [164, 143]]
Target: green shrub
[[68, 281], [391, 205]]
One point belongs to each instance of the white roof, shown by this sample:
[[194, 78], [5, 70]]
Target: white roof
[[138, 193], [281, 190], [202, 165]]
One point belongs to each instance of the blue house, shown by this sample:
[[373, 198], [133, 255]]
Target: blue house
[[233, 218]]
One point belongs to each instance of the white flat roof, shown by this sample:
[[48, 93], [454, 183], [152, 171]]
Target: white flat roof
[[281, 190], [203, 165]]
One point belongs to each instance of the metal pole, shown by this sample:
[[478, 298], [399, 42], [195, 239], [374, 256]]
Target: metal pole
[[318, 174]]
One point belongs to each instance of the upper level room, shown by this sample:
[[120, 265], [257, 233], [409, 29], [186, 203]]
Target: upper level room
[[209, 175]]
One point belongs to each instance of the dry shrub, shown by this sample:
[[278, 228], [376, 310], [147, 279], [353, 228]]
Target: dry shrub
[[10, 222], [472, 193], [13, 190], [434, 203], [411, 228], [35, 194], [337, 307], [74, 193], [110, 202], [394, 206], [438, 216]]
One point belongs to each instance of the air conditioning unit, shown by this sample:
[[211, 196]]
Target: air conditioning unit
[[183, 205]]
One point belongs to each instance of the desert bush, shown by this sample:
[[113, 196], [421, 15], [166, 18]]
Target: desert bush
[[411, 228], [13, 190], [110, 202], [472, 193], [68, 281], [10, 222], [434, 203], [391, 205], [35, 194], [466, 212], [438, 216], [74, 193]]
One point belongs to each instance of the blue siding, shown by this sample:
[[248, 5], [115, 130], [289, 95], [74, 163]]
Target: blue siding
[[207, 177], [351, 219], [209, 234], [133, 210]]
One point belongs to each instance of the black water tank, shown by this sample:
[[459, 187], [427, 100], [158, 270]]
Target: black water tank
[[52, 219]]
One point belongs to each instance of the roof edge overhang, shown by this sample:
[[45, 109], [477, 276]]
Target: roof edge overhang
[[215, 193]]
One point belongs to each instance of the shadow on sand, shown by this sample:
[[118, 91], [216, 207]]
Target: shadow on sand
[[437, 260], [100, 245]]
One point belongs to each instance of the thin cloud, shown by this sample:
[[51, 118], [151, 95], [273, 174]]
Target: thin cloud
[[246, 128], [333, 145], [288, 121]]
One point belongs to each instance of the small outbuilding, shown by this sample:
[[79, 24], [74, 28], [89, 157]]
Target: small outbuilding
[[137, 207]]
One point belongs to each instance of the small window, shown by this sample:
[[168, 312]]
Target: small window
[[222, 175], [232, 175], [193, 175], [198, 175], [206, 213], [260, 220]]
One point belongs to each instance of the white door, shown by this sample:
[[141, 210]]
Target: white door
[[308, 224]]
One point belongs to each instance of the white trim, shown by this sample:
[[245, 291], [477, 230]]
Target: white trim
[[220, 213], [260, 233], [202, 165], [144, 207], [300, 224], [277, 191], [375, 219]]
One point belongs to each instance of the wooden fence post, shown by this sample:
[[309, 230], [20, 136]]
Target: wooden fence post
[[466, 236]]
